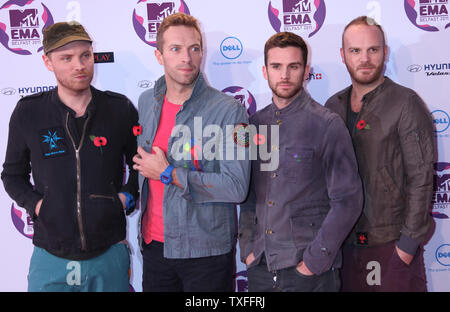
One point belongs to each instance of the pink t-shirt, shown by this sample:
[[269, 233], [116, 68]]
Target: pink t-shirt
[[152, 225]]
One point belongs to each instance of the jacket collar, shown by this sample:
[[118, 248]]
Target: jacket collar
[[161, 88], [91, 108], [297, 103], [345, 94]]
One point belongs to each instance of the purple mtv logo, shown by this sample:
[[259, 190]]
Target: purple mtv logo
[[296, 6], [25, 18], [441, 188], [157, 12]]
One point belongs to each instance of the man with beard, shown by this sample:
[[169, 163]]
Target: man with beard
[[392, 134], [188, 197], [73, 140], [296, 217]]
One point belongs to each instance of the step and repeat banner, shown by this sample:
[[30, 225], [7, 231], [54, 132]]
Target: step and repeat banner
[[124, 34]]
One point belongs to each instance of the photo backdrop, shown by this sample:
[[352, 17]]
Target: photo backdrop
[[417, 31]]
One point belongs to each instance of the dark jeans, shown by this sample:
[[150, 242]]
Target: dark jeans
[[290, 280], [206, 274], [380, 269]]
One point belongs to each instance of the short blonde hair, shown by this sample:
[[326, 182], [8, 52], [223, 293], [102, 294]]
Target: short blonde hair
[[176, 19]]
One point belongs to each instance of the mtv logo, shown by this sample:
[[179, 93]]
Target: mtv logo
[[157, 12], [442, 174], [296, 6], [25, 18]]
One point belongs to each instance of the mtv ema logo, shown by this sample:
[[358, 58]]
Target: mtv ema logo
[[243, 96], [22, 221], [304, 17], [21, 25], [428, 15], [441, 190], [148, 15]]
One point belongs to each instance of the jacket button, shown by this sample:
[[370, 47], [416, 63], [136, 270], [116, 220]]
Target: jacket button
[[270, 203], [269, 232], [279, 122], [273, 175], [277, 113]]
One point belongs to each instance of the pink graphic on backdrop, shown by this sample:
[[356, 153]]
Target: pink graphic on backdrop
[[428, 15], [303, 17], [22, 24], [22, 221], [148, 15]]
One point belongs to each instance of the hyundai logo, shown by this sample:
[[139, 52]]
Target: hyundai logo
[[145, 84], [8, 91], [443, 254], [414, 68]]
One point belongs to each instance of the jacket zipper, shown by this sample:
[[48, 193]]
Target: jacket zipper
[[77, 156]]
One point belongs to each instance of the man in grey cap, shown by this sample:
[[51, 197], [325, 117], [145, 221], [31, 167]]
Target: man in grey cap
[[73, 140]]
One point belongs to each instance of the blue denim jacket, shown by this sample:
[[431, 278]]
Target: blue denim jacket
[[199, 219]]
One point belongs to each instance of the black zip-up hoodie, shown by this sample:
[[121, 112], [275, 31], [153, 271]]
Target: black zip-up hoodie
[[77, 174]]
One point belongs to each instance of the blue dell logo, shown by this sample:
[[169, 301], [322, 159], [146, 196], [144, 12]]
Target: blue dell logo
[[231, 48], [443, 254], [441, 120]]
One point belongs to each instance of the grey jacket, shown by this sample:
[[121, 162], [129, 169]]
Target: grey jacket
[[199, 220], [305, 208], [395, 158]]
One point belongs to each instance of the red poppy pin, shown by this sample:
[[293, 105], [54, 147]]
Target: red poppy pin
[[137, 130], [99, 141], [362, 125]]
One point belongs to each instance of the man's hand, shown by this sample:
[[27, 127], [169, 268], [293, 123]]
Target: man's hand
[[302, 268], [150, 165], [123, 199], [405, 257], [38, 207], [250, 259]]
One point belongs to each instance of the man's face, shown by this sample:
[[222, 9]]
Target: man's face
[[73, 66], [285, 71], [181, 55], [364, 53]]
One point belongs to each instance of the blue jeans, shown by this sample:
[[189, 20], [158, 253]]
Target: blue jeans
[[107, 272], [290, 280]]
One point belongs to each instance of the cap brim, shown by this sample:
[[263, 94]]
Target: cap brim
[[65, 41]]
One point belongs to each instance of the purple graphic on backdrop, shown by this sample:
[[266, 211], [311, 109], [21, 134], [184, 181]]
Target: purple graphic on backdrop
[[441, 190], [22, 221], [243, 96], [148, 15], [21, 25], [303, 17], [428, 15]]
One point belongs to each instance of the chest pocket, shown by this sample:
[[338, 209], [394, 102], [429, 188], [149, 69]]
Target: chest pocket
[[297, 164]]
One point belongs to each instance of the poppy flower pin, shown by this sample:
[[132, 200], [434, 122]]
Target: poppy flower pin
[[137, 130], [362, 125], [99, 141]]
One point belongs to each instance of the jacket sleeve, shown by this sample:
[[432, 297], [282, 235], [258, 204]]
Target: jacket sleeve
[[345, 193], [418, 150], [17, 168], [230, 184], [131, 186]]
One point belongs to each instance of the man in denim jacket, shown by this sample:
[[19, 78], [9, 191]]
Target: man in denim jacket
[[189, 178]]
